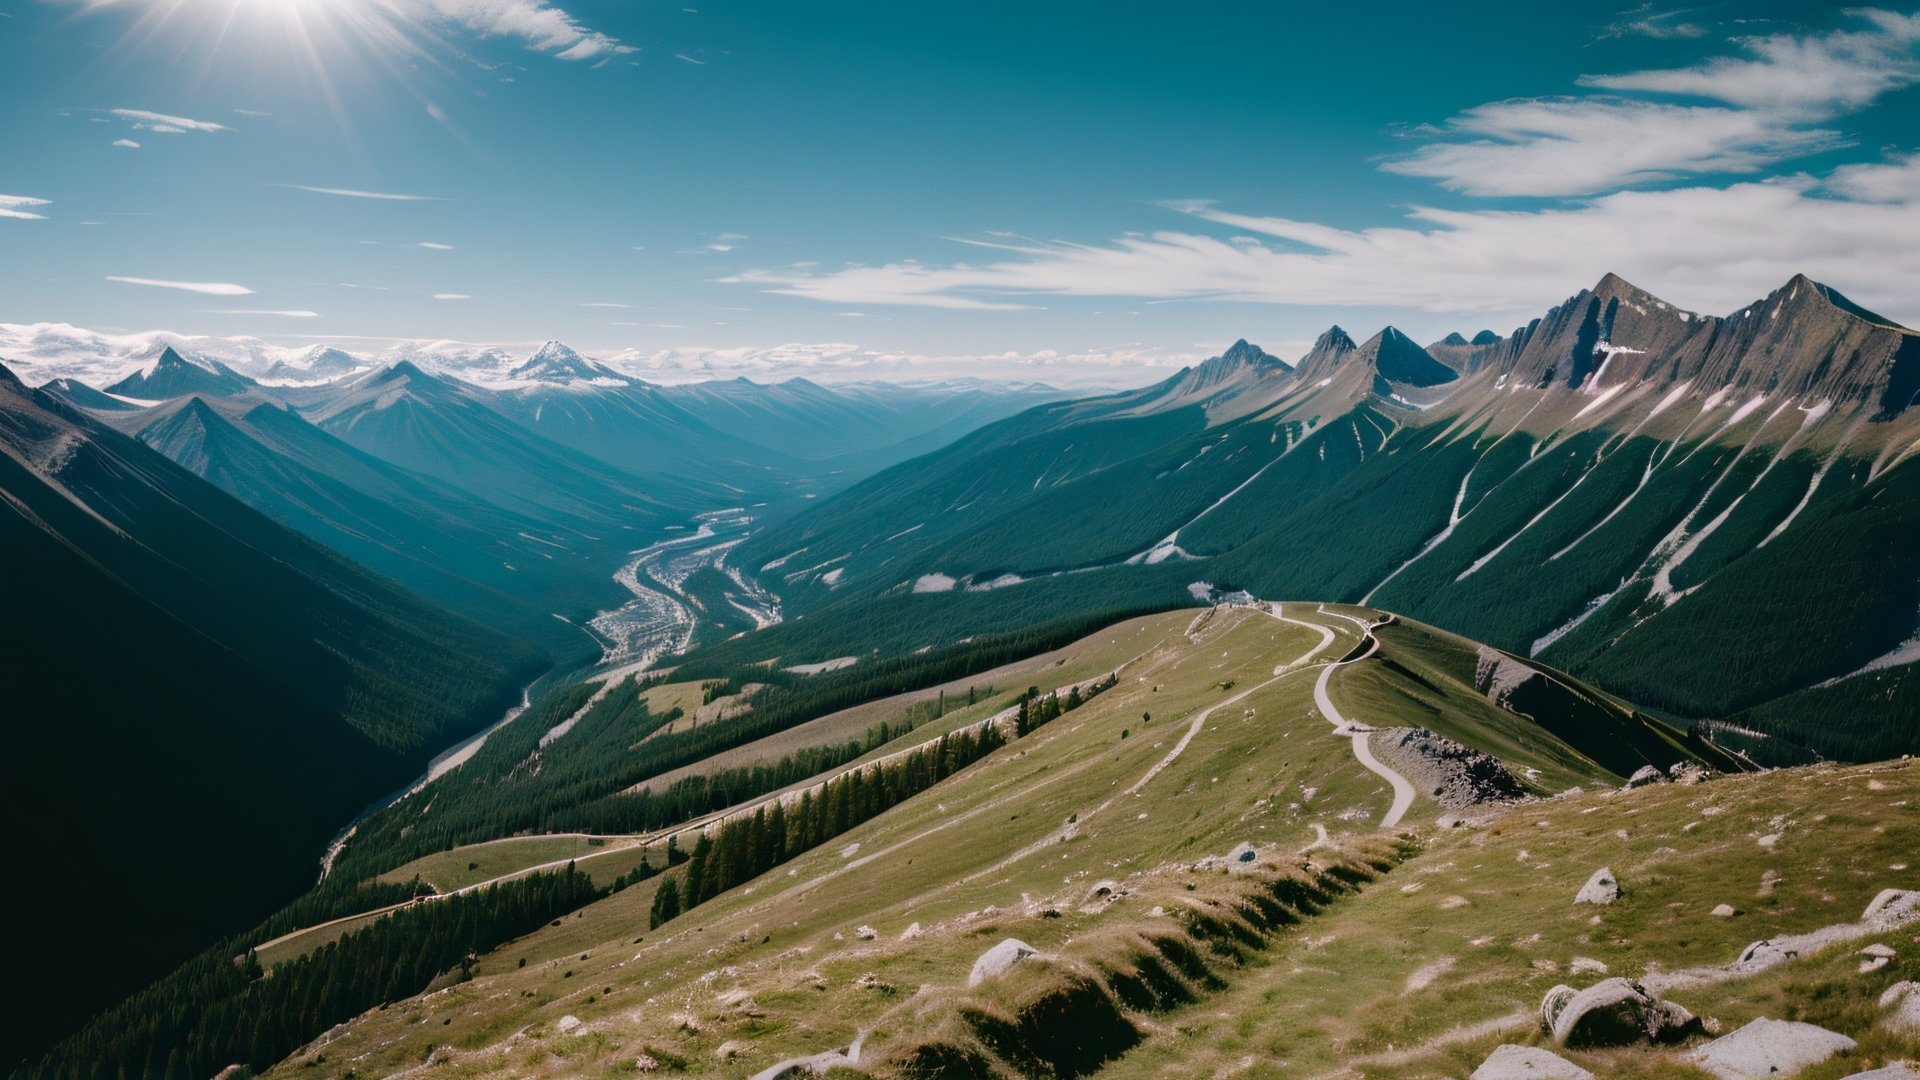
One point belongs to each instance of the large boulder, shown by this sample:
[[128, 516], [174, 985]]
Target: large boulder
[[1614, 1012], [1645, 775], [1601, 888], [1893, 907], [1528, 1063], [998, 959], [1899, 1070], [1769, 1048]]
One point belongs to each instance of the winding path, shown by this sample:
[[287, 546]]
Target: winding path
[[1402, 790]]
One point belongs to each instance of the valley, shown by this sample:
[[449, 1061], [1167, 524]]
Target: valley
[[806, 710]]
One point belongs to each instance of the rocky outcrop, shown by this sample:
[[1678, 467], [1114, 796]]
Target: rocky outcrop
[[1455, 775], [1512, 1062], [1613, 1012], [1769, 1048], [1328, 355]]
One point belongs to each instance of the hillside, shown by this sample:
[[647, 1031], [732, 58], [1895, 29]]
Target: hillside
[[1214, 862], [193, 657], [1613, 488]]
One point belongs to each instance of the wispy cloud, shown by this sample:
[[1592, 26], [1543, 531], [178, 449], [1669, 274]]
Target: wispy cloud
[[541, 25], [206, 288], [451, 296], [355, 193], [431, 246], [13, 206], [127, 144], [162, 122], [605, 305], [1645, 21], [1697, 245], [1772, 105], [260, 311]]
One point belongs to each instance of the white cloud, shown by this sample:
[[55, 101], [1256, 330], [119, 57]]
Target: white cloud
[[1772, 107], [541, 25], [12, 206], [260, 311], [206, 288], [1843, 70], [154, 121], [605, 305], [126, 143], [1578, 146], [354, 193], [431, 246], [451, 296], [1698, 247]]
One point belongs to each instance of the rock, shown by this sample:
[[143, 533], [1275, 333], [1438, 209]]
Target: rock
[[1101, 890], [1645, 775], [1892, 906], [1688, 772], [999, 959], [1902, 1000], [1601, 888], [730, 1049], [1769, 1048], [1877, 949], [568, 1024], [1615, 1012], [1587, 965], [1244, 852], [1872, 965], [911, 932], [866, 933], [1724, 911], [1528, 1063]]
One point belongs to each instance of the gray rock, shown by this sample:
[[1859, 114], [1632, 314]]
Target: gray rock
[[998, 959], [1528, 1063], [1616, 1012], [1892, 907], [1769, 1048], [1724, 911], [1645, 775], [1243, 853], [1902, 1002], [1601, 888], [1688, 772]]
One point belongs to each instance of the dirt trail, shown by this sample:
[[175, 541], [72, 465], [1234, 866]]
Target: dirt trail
[[1403, 792]]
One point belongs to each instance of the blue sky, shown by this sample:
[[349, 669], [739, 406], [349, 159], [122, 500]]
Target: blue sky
[[1078, 186]]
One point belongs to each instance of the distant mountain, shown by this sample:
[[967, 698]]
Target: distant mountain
[[453, 432], [80, 395], [318, 363], [858, 426], [556, 363], [1396, 359], [504, 569], [213, 696], [171, 375], [1639, 494]]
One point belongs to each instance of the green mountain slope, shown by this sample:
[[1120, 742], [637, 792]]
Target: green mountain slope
[[1702, 514], [217, 695]]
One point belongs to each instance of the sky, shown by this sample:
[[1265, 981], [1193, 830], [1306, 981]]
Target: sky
[[1073, 192]]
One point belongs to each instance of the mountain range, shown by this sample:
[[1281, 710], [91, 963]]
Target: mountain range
[[1703, 514], [1623, 537]]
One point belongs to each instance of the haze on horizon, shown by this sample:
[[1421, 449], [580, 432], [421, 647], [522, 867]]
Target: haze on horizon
[[1065, 195]]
